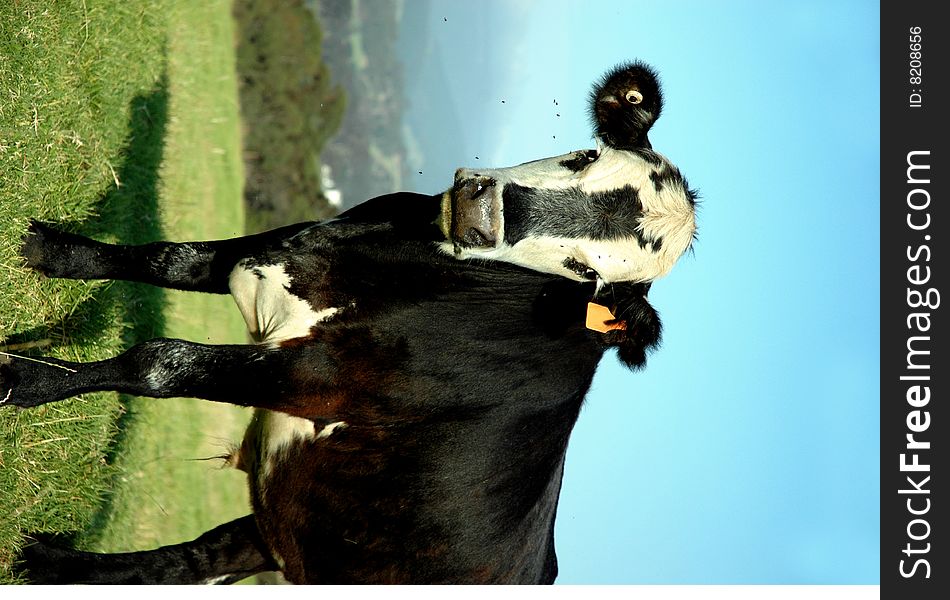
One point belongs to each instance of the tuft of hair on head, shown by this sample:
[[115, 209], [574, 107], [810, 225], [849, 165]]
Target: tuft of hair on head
[[637, 70], [635, 103], [642, 330]]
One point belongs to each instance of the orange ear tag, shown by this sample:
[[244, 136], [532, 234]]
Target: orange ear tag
[[597, 317]]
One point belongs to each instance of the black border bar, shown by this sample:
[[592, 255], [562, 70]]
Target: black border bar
[[915, 369]]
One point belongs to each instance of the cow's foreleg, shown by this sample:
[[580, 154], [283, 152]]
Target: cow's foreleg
[[192, 266], [225, 554], [278, 379]]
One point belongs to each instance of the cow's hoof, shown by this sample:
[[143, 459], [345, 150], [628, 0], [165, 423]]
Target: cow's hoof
[[60, 254], [36, 247], [40, 562], [28, 382], [8, 379]]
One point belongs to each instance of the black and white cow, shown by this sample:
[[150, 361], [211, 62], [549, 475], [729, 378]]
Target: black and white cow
[[421, 361]]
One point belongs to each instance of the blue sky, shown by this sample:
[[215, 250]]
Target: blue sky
[[747, 451]]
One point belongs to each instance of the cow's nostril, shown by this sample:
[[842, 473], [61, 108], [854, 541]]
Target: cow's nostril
[[474, 237]]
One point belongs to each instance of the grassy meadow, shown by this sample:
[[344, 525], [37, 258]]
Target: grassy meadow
[[118, 120]]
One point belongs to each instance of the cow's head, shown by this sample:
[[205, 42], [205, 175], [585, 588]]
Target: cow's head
[[620, 216], [619, 213]]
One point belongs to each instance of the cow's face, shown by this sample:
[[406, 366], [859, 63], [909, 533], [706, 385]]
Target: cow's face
[[613, 215]]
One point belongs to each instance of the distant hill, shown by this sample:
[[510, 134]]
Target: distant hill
[[368, 156], [290, 107], [404, 126]]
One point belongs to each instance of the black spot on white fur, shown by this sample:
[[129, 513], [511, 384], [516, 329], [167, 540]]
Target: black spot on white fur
[[571, 213]]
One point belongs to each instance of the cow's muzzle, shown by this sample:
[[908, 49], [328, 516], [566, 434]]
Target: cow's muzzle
[[472, 212]]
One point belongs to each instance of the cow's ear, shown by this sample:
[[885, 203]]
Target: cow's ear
[[636, 327]]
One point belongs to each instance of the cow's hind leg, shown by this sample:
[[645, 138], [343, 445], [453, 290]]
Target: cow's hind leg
[[191, 266], [225, 554]]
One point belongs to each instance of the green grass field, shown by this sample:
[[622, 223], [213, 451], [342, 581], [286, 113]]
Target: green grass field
[[120, 121]]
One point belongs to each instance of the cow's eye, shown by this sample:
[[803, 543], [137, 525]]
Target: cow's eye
[[634, 97]]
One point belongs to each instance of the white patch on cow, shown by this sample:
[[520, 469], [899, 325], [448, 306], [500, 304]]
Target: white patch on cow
[[614, 260], [612, 169], [668, 215], [271, 312], [215, 580], [162, 373], [328, 430], [273, 315], [617, 168], [279, 432]]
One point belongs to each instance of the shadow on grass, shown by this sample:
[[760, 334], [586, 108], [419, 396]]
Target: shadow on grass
[[128, 213], [131, 213]]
